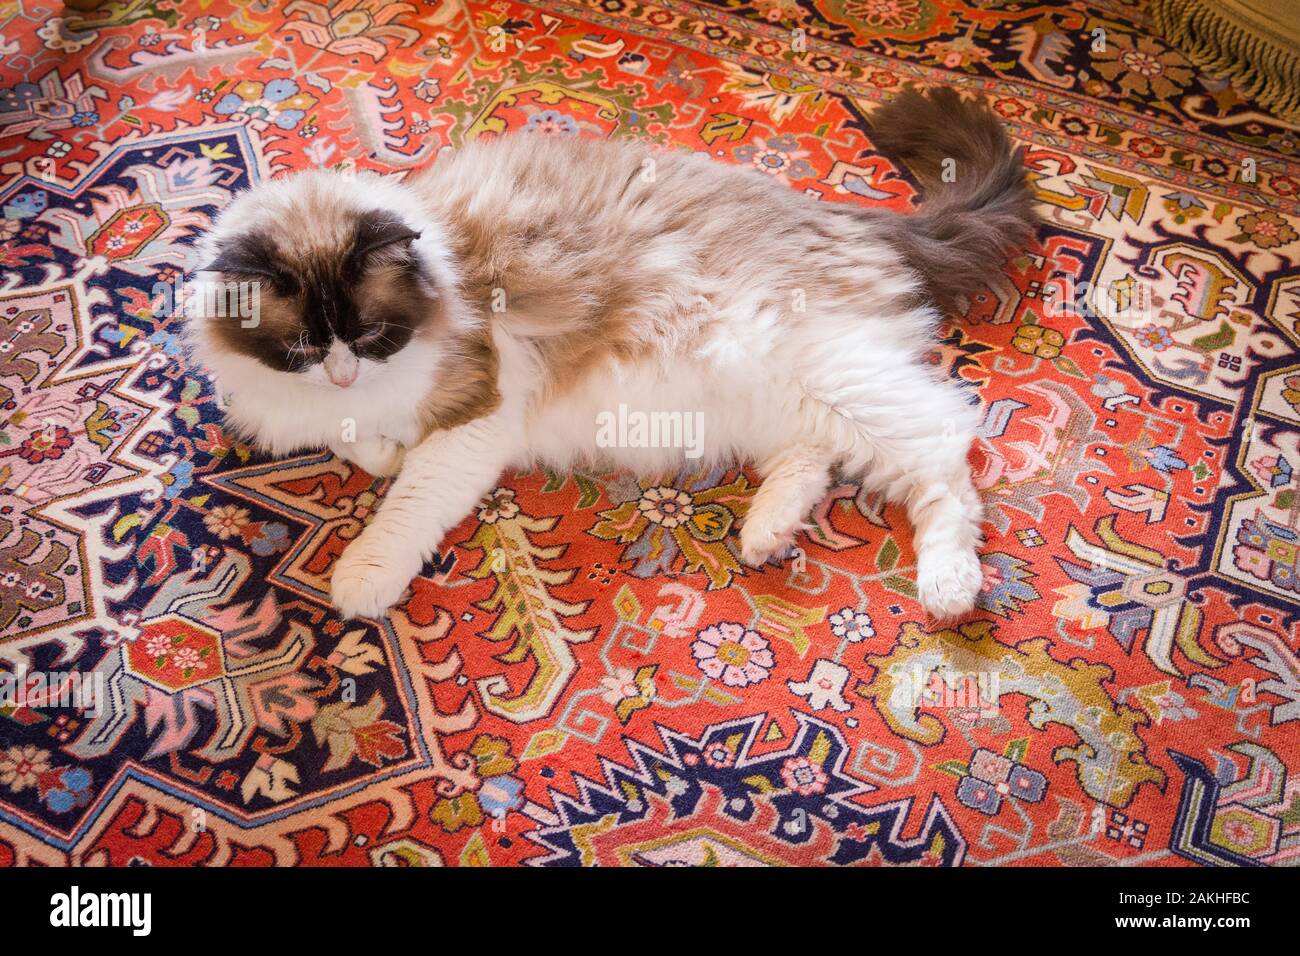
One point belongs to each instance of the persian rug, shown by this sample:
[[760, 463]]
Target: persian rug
[[586, 674]]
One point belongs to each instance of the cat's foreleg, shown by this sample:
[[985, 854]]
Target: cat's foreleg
[[441, 479], [793, 482]]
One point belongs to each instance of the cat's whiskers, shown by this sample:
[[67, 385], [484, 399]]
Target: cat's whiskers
[[381, 337], [300, 346]]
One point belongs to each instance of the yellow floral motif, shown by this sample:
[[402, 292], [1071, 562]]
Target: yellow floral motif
[[1037, 340], [668, 521], [781, 97]]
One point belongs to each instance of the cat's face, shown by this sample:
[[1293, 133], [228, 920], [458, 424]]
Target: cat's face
[[339, 287]]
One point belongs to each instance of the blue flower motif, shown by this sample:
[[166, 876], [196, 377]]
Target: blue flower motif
[[979, 795], [17, 97], [228, 104], [1028, 785], [76, 779], [26, 205], [553, 122], [182, 475], [85, 118], [1284, 576], [499, 795], [288, 119], [60, 801], [1164, 459], [992, 776], [272, 539], [73, 791], [252, 99], [279, 90]]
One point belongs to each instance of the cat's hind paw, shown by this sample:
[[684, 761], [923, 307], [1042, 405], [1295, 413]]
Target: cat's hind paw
[[948, 581], [760, 542]]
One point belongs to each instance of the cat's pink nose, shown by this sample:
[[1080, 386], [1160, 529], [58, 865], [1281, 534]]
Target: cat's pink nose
[[341, 365], [342, 377]]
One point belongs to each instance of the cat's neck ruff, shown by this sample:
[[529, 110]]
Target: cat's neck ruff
[[290, 412]]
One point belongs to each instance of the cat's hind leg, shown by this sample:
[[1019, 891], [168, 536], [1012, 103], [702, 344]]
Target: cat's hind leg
[[910, 433], [793, 482], [945, 512], [928, 471]]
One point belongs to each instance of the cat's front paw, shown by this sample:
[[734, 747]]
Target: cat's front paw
[[948, 580], [369, 579], [381, 457]]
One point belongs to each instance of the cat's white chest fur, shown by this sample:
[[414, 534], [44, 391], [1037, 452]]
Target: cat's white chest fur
[[292, 413]]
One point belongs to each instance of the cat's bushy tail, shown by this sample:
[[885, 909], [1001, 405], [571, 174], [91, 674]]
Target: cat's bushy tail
[[977, 200]]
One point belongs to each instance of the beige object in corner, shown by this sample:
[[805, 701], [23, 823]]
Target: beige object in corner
[[1255, 43]]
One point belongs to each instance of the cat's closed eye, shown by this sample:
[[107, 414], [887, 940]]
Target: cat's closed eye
[[302, 352], [369, 336]]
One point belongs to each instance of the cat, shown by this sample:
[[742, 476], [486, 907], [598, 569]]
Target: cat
[[486, 312]]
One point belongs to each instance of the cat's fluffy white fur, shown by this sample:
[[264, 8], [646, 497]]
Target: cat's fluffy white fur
[[797, 329]]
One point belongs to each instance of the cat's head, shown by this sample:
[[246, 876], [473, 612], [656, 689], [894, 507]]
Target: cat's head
[[320, 276]]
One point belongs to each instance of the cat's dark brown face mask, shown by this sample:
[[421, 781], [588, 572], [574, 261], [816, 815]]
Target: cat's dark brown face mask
[[337, 306]]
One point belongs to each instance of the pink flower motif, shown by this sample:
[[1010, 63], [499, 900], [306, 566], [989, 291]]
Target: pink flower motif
[[1238, 832], [158, 645], [803, 776], [21, 767], [730, 653], [719, 755], [1274, 470], [619, 686], [187, 658], [1252, 561]]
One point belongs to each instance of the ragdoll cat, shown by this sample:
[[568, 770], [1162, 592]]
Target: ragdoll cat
[[483, 313]]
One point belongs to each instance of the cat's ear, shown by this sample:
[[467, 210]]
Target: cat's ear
[[380, 234], [245, 255]]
